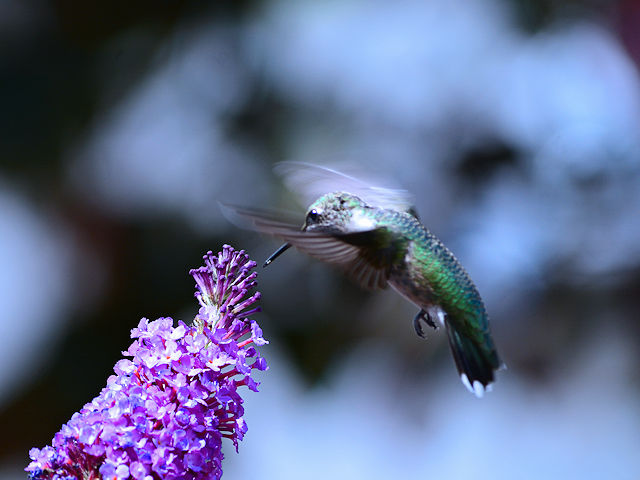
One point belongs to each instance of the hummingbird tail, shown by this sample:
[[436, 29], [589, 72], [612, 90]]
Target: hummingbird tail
[[476, 364]]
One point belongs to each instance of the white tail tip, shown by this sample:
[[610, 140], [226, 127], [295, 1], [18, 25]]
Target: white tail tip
[[477, 388]]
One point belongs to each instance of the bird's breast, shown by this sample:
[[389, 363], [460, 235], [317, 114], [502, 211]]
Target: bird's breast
[[411, 285]]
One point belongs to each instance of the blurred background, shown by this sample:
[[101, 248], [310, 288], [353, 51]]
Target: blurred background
[[516, 125]]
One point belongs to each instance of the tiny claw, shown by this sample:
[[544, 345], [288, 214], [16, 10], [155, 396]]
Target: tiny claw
[[426, 318], [416, 323], [429, 321]]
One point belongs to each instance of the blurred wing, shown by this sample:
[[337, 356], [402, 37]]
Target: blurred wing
[[312, 181], [346, 251], [262, 220]]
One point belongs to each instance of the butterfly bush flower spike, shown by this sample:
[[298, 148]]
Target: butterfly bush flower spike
[[165, 411]]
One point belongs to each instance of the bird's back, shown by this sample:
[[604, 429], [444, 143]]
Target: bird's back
[[430, 275]]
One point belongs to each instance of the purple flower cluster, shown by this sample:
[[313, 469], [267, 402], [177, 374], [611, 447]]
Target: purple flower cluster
[[165, 411]]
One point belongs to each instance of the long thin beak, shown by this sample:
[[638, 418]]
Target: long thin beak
[[277, 253]]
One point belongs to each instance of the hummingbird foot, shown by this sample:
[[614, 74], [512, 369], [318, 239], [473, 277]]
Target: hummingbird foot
[[426, 318]]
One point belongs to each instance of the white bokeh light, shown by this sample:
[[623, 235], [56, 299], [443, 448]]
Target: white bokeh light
[[36, 281], [164, 148]]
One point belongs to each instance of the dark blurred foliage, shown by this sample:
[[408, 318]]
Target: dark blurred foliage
[[51, 90], [64, 62]]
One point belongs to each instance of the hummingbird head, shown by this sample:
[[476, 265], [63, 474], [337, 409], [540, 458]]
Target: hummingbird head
[[339, 211]]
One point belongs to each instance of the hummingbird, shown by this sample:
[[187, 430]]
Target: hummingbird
[[375, 237]]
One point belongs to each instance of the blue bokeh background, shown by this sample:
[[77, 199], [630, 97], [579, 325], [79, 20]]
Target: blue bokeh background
[[515, 124]]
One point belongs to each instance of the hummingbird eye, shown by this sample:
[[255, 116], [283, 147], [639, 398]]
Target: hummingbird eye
[[312, 216]]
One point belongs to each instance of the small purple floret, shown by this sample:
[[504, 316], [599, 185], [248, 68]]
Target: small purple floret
[[165, 411]]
